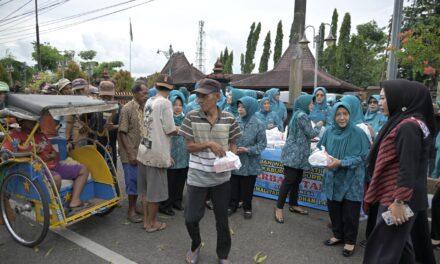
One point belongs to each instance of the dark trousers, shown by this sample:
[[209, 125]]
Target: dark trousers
[[242, 189], [390, 244], [421, 240], [176, 184], [371, 221], [291, 182], [435, 223], [345, 219], [195, 209]]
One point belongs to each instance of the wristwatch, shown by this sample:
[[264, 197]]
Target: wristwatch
[[399, 202]]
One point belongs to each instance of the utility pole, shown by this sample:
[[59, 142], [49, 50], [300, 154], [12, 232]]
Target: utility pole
[[10, 70], [38, 37], [395, 44], [296, 65]]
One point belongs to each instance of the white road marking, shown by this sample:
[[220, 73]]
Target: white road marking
[[93, 247]]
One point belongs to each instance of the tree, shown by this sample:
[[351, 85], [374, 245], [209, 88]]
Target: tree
[[251, 47], [87, 55], [123, 80], [374, 37], [419, 55], [4, 76], [72, 71], [278, 49], [69, 55], [343, 51], [50, 56], [242, 63], [227, 66], [110, 66], [264, 61], [334, 25], [22, 73]]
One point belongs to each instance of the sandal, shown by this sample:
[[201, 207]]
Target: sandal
[[193, 257], [161, 227], [81, 206], [298, 211], [333, 241], [135, 219]]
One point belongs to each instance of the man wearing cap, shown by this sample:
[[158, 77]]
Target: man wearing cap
[[80, 87], [154, 153], [129, 136], [107, 122], [209, 133], [65, 87]]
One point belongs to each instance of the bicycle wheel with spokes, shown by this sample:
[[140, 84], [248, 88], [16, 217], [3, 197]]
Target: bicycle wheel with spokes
[[24, 208]]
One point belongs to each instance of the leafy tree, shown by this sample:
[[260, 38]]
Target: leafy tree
[[69, 55], [123, 80], [278, 49], [343, 52], [264, 61], [152, 79], [334, 25], [50, 56], [72, 72], [21, 70], [110, 66], [374, 37], [4, 75], [419, 55], [87, 55], [251, 47]]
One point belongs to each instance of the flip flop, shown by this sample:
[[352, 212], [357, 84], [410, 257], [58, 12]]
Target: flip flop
[[302, 212], [161, 227], [79, 207], [135, 219]]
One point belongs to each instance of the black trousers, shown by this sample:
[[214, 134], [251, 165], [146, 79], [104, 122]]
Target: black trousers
[[421, 240], [435, 223], [176, 184], [291, 182], [195, 209], [242, 189], [345, 219], [390, 244], [371, 221]]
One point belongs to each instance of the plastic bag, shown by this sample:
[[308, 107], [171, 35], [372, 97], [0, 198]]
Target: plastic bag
[[320, 158], [227, 163]]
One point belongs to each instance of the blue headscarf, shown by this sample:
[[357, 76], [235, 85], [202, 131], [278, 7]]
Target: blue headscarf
[[375, 119], [185, 92], [236, 94], [320, 110], [250, 93], [251, 106], [152, 92], [346, 141], [221, 103], [174, 95], [276, 105], [356, 113], [193, 104], [301, 107]]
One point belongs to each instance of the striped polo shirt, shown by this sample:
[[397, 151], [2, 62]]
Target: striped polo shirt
[[197, 128]]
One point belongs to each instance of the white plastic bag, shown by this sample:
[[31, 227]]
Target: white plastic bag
[[227, 163], [320, 158]]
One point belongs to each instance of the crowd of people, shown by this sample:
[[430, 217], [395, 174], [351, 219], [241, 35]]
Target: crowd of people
[[168, 140]]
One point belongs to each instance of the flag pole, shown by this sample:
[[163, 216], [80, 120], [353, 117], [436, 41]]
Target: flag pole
[[131, 39]]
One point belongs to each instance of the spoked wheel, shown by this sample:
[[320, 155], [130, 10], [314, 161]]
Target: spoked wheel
[[24, 208]]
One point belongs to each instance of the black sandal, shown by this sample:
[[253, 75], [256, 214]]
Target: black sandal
[[302, 212], [330, 242]]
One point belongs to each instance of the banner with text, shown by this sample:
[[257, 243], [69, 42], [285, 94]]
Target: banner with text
[[269, 181]]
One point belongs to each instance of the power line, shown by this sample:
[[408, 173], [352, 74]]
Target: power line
[[6, 3], [15, 10], [25, 36], [58, 20]]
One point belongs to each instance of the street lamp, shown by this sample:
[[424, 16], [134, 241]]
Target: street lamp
[[304, 42]]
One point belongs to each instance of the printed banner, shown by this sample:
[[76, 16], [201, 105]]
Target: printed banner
[[269, 181]]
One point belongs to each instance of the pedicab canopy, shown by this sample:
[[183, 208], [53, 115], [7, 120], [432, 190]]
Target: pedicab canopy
[[33, 106]]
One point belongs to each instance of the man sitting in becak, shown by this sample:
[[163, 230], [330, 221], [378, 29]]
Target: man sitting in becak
[[76, 172]]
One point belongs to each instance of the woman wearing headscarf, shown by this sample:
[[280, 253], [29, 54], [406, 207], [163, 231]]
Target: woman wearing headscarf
[[357, 116], [250, 93], [275, 104], [249, 147], [398, 163], [269, 118], [374, 116], [192, 104], [232, 99], [321, 109], [295, 155], [177, 173], [344, 176]]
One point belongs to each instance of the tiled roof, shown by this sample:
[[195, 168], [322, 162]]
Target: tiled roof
[[181, 70], [279, 76]]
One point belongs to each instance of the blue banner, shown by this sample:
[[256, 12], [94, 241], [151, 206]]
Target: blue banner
[[269, 181]]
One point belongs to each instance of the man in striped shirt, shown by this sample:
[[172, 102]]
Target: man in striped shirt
[[209, 133]]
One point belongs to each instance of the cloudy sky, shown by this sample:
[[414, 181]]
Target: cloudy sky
[[159, 23]]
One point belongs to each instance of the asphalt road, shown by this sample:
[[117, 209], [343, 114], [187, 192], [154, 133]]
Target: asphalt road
[[298, 240]]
